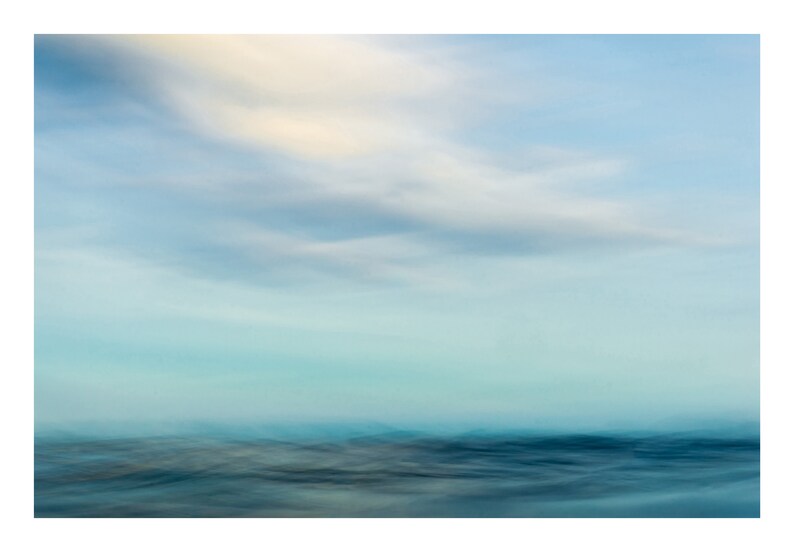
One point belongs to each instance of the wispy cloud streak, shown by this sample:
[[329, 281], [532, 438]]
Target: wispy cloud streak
[[361, 127]]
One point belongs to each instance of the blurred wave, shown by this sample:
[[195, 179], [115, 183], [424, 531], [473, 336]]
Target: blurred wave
[[399, 475]]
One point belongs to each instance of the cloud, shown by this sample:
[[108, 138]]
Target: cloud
[[455, 190], [308, 96], [401, 258], [365, 129]]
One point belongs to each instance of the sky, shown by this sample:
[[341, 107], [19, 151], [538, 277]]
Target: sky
[[533, 231]]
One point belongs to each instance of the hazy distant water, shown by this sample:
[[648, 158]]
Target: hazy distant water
[[484, 476]]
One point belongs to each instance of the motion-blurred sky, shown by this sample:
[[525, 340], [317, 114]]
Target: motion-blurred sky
[[488, 231]]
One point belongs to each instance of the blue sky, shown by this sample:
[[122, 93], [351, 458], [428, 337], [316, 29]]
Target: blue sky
[[487, 231]]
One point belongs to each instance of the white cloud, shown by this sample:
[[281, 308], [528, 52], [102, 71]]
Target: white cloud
[[388, 258], [357, 121], [309, 96]]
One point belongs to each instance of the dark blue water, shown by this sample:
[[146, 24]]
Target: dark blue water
[[402, 476]]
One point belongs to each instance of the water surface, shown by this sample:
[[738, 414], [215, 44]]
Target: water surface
[[399, 476]]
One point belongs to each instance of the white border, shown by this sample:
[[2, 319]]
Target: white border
[[20, 21]]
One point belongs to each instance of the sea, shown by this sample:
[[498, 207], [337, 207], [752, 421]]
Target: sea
[[401, 474]]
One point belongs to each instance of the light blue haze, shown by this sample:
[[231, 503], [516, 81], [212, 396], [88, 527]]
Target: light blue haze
[[445, 231]]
